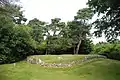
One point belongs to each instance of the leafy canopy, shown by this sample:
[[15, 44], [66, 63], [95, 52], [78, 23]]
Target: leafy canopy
[[109, 24]]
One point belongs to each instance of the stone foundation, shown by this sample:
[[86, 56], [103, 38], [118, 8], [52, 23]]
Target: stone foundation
[[60, 65]]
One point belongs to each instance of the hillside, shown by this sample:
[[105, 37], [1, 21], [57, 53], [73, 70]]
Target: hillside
[[99, 69]]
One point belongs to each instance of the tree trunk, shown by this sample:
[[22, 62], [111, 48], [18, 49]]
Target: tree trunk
[[78, 46], [46, 48], [74, 50], [46, 52]]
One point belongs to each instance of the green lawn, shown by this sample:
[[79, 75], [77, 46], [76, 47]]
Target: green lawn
[[58, 58], [101, 69]]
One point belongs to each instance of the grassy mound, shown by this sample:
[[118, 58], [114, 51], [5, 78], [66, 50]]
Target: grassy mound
[[100, 69], [58, 58]]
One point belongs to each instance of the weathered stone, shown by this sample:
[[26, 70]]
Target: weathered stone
[[69, 64]]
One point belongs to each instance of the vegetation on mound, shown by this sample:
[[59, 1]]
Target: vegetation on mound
[[62, 60], [101, 69]]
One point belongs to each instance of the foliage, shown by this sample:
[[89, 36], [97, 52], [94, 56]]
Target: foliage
[[109, 23], [18, 40], [15, 40], [86, 47], [38, 29], [111, 50], [14, 12], [7, 1], [80, 27], [56, 36]]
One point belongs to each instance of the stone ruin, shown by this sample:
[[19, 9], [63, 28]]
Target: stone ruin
[[69, 64]]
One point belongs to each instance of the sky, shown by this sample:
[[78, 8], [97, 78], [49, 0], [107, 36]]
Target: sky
[[45, 10]]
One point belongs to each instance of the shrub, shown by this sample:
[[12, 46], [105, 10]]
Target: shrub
[[15, 41], [110, 50]]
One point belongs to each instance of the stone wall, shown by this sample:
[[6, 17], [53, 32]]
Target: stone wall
[[68, 64]]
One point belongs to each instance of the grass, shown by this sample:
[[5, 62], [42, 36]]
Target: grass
[[101, 69], [58, 58]]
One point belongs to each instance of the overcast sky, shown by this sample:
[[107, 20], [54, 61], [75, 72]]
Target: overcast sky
[[48, 9], [45, 10]]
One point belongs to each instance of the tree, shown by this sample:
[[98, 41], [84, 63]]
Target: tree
[[7, 1], [14, 12], [18, 16], [38, 29], [56, 36], [52, 32], [109, 23], [16, 41], [13, 40], [79, 27], [86, 46], [5, 4], [8, 8]]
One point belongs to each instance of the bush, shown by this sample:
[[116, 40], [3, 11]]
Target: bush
[[110, 50], [15, 41], [86, 47]]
